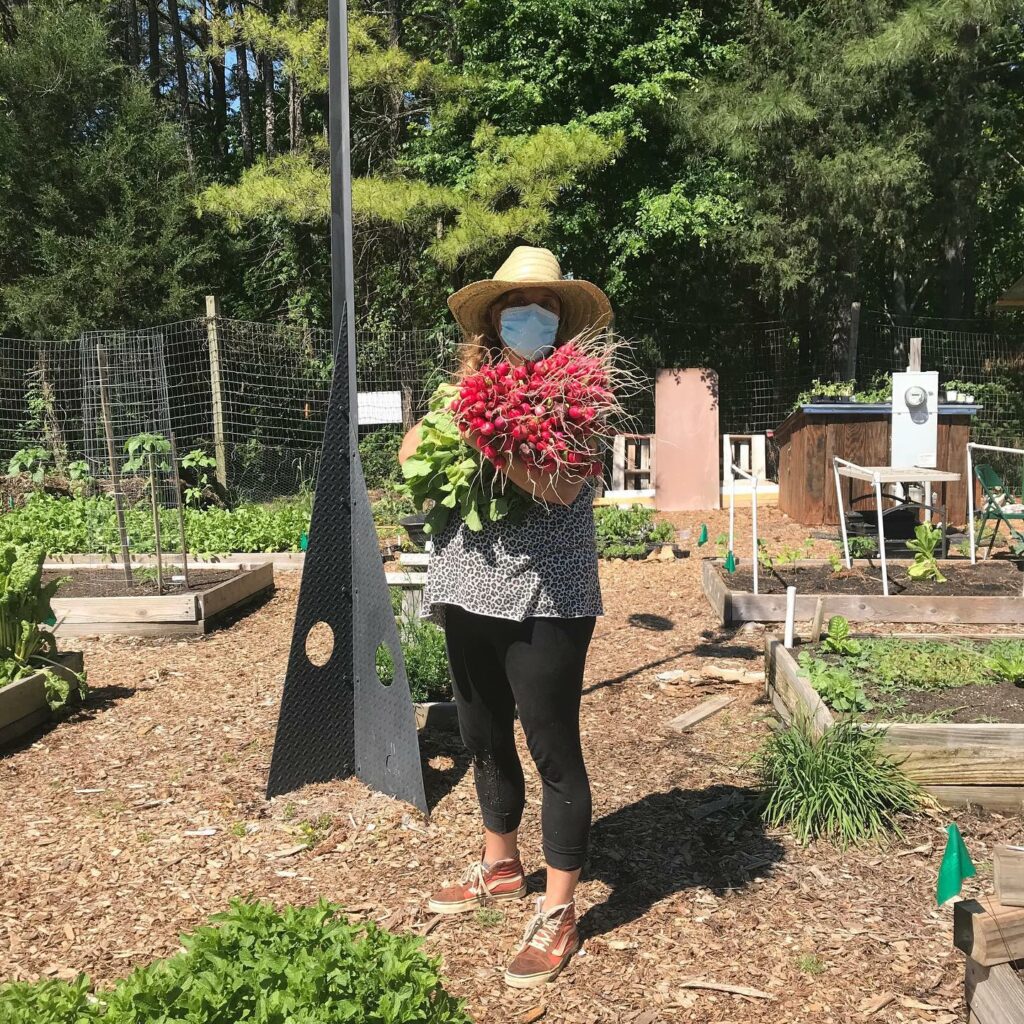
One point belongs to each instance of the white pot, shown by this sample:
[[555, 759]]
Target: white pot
[[952, 396], [969, 399]]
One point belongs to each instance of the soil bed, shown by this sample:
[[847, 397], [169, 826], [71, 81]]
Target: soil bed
[[998, 578], [111, 582], [995, 701]]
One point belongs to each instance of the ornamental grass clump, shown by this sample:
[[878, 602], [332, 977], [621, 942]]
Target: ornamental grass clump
[[838, 786]]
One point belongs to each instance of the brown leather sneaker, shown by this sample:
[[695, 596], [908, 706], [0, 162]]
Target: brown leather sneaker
[[502, 880], [549, 942]]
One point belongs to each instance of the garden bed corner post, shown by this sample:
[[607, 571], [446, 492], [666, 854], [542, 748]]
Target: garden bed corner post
[[338, 718]]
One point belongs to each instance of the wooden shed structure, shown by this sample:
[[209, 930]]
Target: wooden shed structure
[[811, 435]]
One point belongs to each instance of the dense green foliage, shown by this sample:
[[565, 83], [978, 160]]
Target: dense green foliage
[[259, 965], [425, 657], [378, 452], [89, 525], [26, 644], [838, 786], [735, 161], [629, 532]]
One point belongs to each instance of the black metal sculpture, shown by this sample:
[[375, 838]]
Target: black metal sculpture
[[338, 718]]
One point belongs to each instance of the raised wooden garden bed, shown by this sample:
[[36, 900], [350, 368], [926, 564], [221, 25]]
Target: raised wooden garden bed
[[95, 602], [23, 704], [991, 935], [981, 764], [989, 592]]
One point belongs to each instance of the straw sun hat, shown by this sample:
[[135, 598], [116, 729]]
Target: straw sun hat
[[584, 306]]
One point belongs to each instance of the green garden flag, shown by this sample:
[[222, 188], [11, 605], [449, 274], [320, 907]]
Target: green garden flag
[[730, 562], [955, 867], [304, 542], [703, 538]]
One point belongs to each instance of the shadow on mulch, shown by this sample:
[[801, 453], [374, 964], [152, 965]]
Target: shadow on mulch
[[439, 782], [646, 620], [98, 700], [235, 614], [666, 843], [638, 670]]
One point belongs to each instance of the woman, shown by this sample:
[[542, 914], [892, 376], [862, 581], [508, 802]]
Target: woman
[[518, 604]]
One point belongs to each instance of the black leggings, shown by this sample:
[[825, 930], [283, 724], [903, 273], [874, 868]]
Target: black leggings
[[537, 666]]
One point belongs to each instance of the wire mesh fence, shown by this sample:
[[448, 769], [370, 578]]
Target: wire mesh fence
[[244, 405]]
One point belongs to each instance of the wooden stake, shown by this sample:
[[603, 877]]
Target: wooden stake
[[818, 621], [156, 525], [914, 366], [213, 339], [115, 480]]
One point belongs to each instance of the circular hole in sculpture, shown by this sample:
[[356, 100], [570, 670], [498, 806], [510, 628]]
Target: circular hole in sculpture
[[385, 664], [320, 644]]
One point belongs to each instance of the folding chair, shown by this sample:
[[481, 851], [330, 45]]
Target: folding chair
[[998, 504]]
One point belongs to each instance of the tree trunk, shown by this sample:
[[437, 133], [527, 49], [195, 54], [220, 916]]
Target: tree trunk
[[244, 102], [220, 94], [294, 94], [267, 73], [182, 84], [153, 29], [132, 16]]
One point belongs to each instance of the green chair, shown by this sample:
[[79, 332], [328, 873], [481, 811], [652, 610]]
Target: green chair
[[999, 504]]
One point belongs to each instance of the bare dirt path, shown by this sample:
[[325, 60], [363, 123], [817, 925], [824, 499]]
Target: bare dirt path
[[138, 818]]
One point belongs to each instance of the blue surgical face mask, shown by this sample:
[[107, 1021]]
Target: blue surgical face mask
[[529, 331]]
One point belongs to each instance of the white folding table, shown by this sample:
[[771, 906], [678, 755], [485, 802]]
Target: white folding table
[[877, 476]]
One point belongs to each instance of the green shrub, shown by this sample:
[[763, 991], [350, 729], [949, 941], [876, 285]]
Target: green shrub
[[378, 452], [838, 786], [303, 964], [388, 510], [626, 532], [88, 525], [426, 659]]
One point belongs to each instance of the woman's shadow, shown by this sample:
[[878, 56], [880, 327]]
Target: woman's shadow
[[709, 838]]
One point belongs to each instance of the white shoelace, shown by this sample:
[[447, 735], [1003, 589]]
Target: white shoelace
[[543, 926], [474, 878]]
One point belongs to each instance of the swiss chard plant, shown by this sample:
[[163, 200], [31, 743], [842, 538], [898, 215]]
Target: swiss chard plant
[[927, 539], [838, 640], [26, 645]]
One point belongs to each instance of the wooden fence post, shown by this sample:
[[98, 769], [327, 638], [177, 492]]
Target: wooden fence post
[[213, 338], [851, 353]]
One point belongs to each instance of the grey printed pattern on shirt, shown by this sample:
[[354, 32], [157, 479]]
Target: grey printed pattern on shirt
[[544, 565]]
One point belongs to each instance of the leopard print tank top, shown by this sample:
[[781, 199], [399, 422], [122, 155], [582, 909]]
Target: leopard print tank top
[[544, 565]]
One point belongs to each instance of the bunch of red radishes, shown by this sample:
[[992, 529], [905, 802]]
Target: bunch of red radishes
[[547, 412]]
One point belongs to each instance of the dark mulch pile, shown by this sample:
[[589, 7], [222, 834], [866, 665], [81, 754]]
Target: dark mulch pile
[[997, 578], [136, 818], [111, 582]]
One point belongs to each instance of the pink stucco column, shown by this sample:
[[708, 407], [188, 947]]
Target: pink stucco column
[[687, 442]]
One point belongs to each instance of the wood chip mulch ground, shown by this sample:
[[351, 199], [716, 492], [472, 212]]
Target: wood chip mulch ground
[[139, 817]]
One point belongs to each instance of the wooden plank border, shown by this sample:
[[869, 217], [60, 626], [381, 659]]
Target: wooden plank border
[[734, 606], [23, 704], [977, 764], [166, 615]]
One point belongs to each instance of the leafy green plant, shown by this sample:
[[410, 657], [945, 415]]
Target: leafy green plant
[[627, 532], [878, 389], [79, 475], [388, 510], [262, 966], [144, 574], [836, 563], [786, 555], [425, 657], [862, 547], [378, 453], [836, 684], [25, 609], [927, 539], [722, 545], [838, 786], [446, 470], [195, 463], [838, 640], [896, 664], [140, 446], [32, 461], [825, 389], [1005, 660]]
